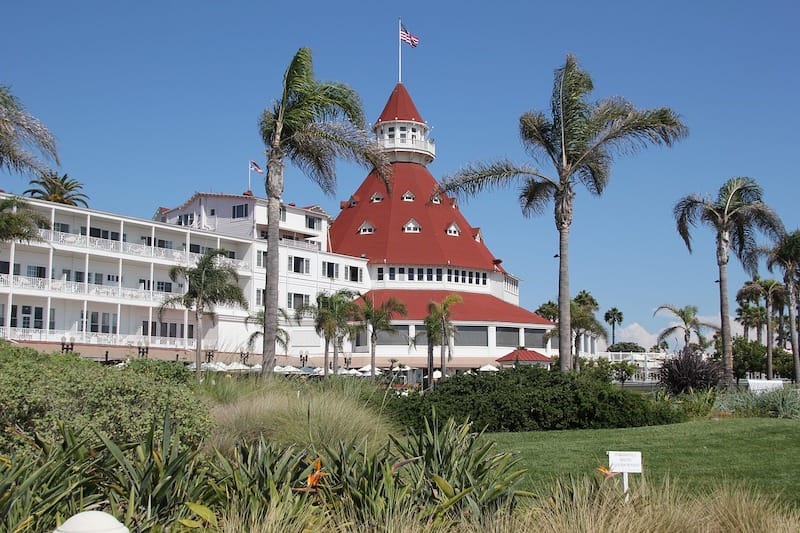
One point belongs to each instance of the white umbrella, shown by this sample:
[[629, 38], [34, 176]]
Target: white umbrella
[[237, 366], [289, 369], [402, 368], [488, 368], [437, 374], [277, 368], [368, 369]]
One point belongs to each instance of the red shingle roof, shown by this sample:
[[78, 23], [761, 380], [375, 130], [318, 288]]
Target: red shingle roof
[[400, 106], [474, 307], [524, 356], [430, 246]]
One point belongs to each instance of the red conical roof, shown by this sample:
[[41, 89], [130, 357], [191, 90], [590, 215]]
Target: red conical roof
[[432, 245], [400, 106]]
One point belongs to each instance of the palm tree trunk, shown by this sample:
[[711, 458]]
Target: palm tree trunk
[[564, 319], [429, 382], [372, 349], [335, 356], [725, 324], [790, 288], [198, 349], [326, 359], [443, 348], [274, 190], [769, 337]]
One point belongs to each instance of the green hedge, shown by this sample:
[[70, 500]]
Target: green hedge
[[40, 391], [530, 399]]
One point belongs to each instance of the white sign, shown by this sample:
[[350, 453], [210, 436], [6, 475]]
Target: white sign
[[627, 462]]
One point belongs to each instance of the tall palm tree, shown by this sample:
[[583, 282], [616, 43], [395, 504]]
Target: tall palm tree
[[22, 136], [331, 315], [18, 221], [376, 319], [281, 335], [689, 323], [442, 313], [750, 293], [785, 255], [548, 310], [773, 290], [580, 139], [209, 283], [613, 317], [312, 124], [584, 322], [59, 189], [734, 216]]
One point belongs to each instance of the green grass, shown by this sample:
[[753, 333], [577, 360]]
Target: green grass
[[759, 453]]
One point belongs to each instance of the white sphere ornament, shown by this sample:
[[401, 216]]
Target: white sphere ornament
[[92, 522]]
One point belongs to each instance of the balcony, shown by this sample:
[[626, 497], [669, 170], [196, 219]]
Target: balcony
[[75, 288], [107, 339]]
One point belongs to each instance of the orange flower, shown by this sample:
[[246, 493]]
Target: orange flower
[[313, 479], [606, 472]]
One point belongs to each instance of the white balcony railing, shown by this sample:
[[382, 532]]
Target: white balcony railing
[[88, 337]]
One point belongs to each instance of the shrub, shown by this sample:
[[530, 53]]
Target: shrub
[[40, 391], [689, 371], [778, 403]]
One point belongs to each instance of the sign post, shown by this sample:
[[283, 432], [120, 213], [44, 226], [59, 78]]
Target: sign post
[[625, 463]]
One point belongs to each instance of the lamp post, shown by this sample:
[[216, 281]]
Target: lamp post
[[243, 357], [347, 361], [67, 346], [303, 359], [144, 349], [209, 356]]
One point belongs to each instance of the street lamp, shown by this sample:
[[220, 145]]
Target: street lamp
[[243, 357], [209, 356], [67, 347], [303, 359], [144, 349], [347, 361]]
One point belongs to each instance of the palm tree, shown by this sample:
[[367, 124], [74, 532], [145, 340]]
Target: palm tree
[[584, 322], [613, 317], [773, 290], [377, 319], [579, 139], [442, 313], [585, 299], [750, 293], [786, 256], [21, 132], [281, 335], [548, 310], [313, 124], [734, 216], [689, 323], [209, 283], [331, 315], [18, 221], [59, 189]]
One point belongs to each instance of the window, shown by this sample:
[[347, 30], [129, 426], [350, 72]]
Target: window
[[66, 274], [401, 273], [463, 276], [144, 284], [261, 295], [112, 277], [403, 133], [436, 199], [60, 226], [52, 322], [410, 274], [366, 228], [261, 258], [453, 230], [380, 273], [239, 211], [212, 212], [4, 268], [391, 132], [412, 226], [299, 265], [408, 196], [534, 338], [186, 219], [449, 274], [392, 274], [399, 337], [283, 214], [483, 278], [35, 271], [420, 274], [296, 300], [507, 336], [472, 336], [80, 277], [377, 197], [161, 243], [313, 222], [94, 322], [470, 276], [330, 270], [108, 323], [438, 274], [455, 275], [163, 286], [429, 273], [352, 273], [38, 318]]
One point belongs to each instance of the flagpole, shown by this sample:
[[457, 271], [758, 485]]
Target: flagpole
[[249, 170], [399, 52]]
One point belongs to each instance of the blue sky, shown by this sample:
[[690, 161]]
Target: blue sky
[[151, 101]]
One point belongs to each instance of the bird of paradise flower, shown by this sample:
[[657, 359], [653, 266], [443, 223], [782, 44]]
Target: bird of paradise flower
[[314, 478], [606, 472]]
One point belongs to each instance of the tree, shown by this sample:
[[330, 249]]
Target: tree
[[580, 139], [734, 216], [613, 317], [281, 335], [18, 221], [548, 310], [785, 255], [377, 319], [584, 322], [440, 314], [624, 370], [59, 189], [627, 347], [689, 323], [312, 124], [773, 291], [331, 315], [21, 137], [209, 283]]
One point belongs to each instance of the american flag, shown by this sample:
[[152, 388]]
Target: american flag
[[408, 37], [255, 168]]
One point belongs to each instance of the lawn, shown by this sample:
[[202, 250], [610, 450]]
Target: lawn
[[757, 452]]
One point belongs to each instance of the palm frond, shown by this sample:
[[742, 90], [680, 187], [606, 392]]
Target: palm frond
[[687, 211], [478, 177], [534, 196]]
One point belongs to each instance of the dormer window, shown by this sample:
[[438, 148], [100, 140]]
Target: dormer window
[[377, 197], [408, 196], [436, 199], [453, 230], [366, 228], [412, 226]]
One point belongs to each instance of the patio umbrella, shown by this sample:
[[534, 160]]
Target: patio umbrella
[[488, 368]]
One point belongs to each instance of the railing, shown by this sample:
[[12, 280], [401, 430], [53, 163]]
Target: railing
[[415, 144], [73, 287], [303, 245], [128, 248], [111, 339]]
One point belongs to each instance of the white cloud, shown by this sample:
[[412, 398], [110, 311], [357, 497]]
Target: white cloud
[[636, 333]]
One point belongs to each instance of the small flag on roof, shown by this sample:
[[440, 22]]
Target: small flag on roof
[[255, 168], [408, 37]]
